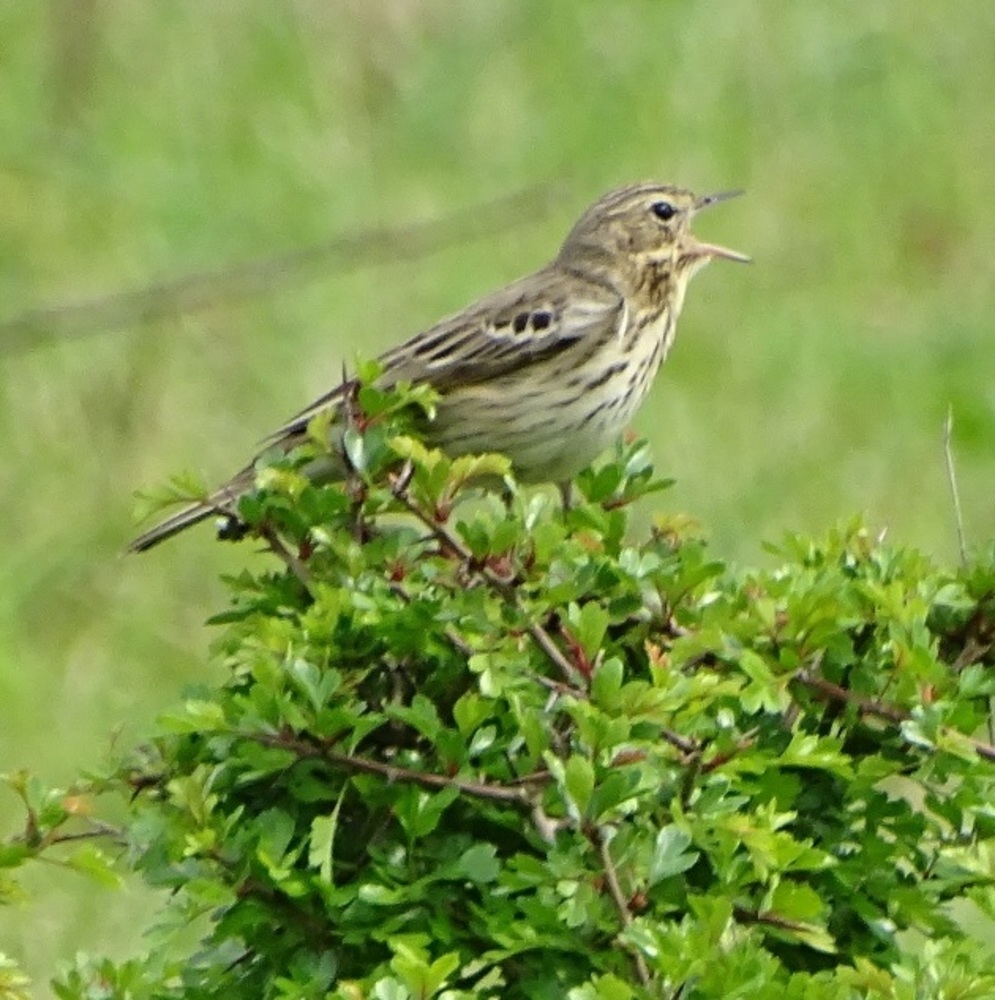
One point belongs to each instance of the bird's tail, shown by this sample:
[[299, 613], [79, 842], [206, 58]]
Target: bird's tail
[[173, 525], [222, 502]]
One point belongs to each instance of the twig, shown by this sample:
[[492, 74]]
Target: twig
[[545, 642], [272, 539], [546, 826], [833, 692], [686, 746], [393, 772], [621, 903], [455, 639], [263, 275], [531, 779], [952, 480], [353, 420], [745, 742], [97, 830], [557, 687], [498, 583], [771, 919]]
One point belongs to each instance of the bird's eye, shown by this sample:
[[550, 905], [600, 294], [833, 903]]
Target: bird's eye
[[663, 210]]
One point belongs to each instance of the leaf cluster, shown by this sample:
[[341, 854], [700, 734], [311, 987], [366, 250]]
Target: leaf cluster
[[470, 744]]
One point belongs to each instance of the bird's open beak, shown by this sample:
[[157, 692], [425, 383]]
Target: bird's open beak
[[698, 249], [711, 250], [713, 199]]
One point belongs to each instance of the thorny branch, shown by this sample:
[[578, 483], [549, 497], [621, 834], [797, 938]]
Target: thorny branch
[[498, 583], [293, 563], [834, 692], [393, 772], [262, 276], [452, 636], [621, 903], [829, 691]]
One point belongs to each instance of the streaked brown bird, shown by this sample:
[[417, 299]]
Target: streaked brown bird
[[550, 369]]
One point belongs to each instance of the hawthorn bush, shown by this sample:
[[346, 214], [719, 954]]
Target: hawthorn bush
[[472, 745]]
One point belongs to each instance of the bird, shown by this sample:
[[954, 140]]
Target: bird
[[550, 369]]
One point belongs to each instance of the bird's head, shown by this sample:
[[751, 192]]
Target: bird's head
[[646, 225]]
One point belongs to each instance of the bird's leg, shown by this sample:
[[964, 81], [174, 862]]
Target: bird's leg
[[566, 488], [231, 528]]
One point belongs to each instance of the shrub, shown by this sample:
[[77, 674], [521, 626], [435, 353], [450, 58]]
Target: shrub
[[471, 745]]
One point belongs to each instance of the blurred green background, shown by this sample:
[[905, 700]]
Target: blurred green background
[[141, 142]]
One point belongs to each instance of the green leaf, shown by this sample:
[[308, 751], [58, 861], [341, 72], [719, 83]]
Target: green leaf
[[318, 685], [816, 752], [386, 989], [797, 901], [380, 895], [602, 988], [483, 738], [197, 716], [419, 811], [413, 449], [92, 862], [606, 684], [479, 863], [766, 692], [466, 468], [670, 854], [589, 623], [470, 711], [322, 840], [598, 485], [275, 830], [421, 714], [418, 976], [579, 782], [354, 445]]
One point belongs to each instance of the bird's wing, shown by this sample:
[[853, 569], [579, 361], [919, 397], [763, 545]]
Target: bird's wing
[[500, 334], [529, 321]]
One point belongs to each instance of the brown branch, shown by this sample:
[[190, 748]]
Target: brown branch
[[531, 779], [948, 455], [687, 747], [97, 830], [745, 742], [834, 692], [972, 652], [276, 546], [771, 919], [545, 642], [621, 903], [454, 638], [558, 687], [263, 275], [497, 582], [393, 772]]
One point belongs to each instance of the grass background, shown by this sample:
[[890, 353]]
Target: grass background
[[139, 142]]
